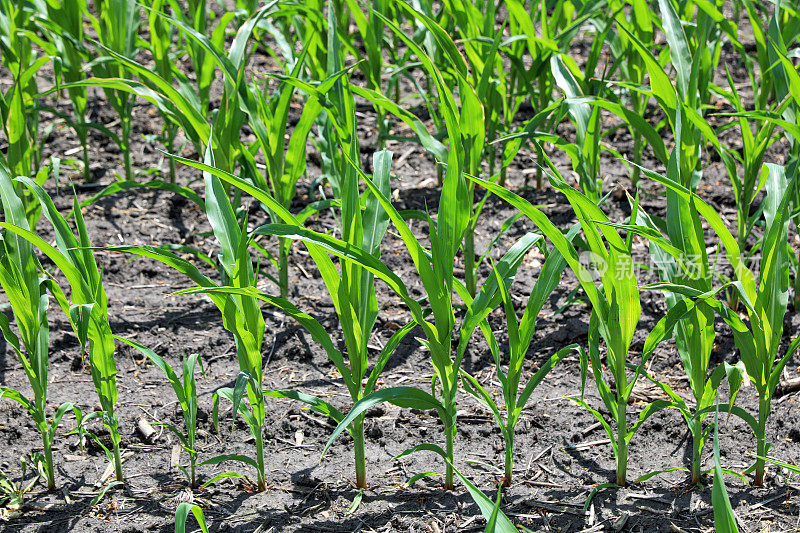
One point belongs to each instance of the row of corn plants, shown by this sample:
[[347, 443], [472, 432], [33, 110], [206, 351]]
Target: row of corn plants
[[495, 82]]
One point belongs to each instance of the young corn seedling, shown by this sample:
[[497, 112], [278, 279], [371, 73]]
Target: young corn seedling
[[468, 137], [364, 222], [238, 301], [117, 26], [240, 312], [336, 138], [482, 97], [353, 292], [585, 152], [221, 130], [353, 295], [87, 306], [285, 163], [537, 34], [435, 268], [371, 29], [678, 250], [12, 495], [765, 298], [206, 49], [681, 259], [160, 45], [62, 25], [27, 294], [19, 111], [520, 336], [754, 148], [482, 88], [695, 34], [769, 48], [406, 396], [615, 310], [696, 47], [682, 100], [580, 88], [186, 391], [639, 22], [785, 82], [203, 63], [227, 120], [182, 514], [482, 45]]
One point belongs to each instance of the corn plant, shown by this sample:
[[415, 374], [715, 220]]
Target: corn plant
[[203, 62], [785, 81], [615, 310], [679, 98], [221, 129], [62, 25], [683, 104], [12, 495], [185, 389], [117, 25], [765, 298], [27, 294], [228, 119], [475, 28], [238, 301], [639, 22], [241, 313], [353, 292], [87, 306], [160, 45], [578, 87], [410, 396], [371, 30], [695, 47], [681, 259], [206, 52], [775, 99], [751, 158], [537, 34], [285, 163], [335, 137], [19, 112], [469, 135], [585, 152], [435, 267], [520, 336]]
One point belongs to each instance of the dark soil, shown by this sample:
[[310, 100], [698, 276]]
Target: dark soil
[[560, 455]]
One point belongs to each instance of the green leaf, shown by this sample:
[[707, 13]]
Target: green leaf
[[678, 46], [119, 186], [356, 502], [231, 457], [409, 397], [724, 516], [182, 513]]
